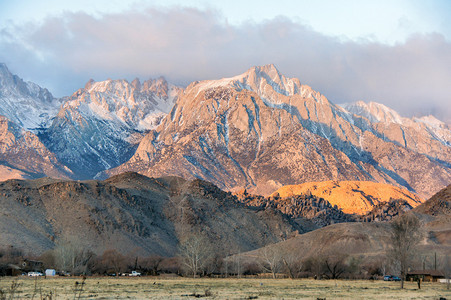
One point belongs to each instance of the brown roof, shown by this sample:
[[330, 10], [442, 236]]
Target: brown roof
[[434, 273]]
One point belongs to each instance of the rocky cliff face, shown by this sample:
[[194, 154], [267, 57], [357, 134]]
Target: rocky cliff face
[[259, 130], [23, 155], [313, 212], [353, 197], [25, 103], [262, 130], [98, 127], [385, 211], [439, 204], [131, 212], [425, 135]]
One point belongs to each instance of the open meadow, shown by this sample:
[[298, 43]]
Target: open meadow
[[228, 288]]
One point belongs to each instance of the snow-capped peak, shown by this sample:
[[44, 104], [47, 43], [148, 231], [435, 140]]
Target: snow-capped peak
[[431, 121], [263, 80], [374, 112], [25, 103], [139, 106]]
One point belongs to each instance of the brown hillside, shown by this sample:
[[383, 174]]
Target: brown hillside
[[366, 242], [438, 210], [369, 242], [439, 204], [358, 197], [132, 213]]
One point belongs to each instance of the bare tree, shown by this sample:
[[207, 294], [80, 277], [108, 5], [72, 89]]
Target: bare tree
[[405, 236], [313, 265], [152, 264], [196, 252], [71, 257], [292, 262], [234, 261], [271, 260], [330, 264], [447, 269], [113, 260], [235, 264], [334, 265], [65, 255]]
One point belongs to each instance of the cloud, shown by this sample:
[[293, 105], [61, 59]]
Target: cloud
[[186, 44]]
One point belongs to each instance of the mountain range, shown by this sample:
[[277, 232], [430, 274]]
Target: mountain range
[[259, 130]]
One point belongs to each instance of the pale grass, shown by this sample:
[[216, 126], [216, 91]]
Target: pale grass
[[244, 288]]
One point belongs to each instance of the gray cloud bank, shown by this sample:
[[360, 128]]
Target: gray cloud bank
[[185, 44]]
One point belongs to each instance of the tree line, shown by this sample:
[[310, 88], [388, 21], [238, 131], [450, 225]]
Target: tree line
[[198, 256]]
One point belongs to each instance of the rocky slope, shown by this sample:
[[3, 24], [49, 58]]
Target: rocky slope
[[385, 211], [311, 211], [262, 130], [132, 213], [96, 128], [25, 103], [366, 242], [99, 126], [320, 211], [353, 197], [22, 154], [259, 130], [437, 213], [24, 109], [439, 204], [425, 135]]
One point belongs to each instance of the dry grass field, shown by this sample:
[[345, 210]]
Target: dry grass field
[[184, 288]]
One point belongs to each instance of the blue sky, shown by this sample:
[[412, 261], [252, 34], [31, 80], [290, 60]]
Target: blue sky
[[394, 52], [386, 21]]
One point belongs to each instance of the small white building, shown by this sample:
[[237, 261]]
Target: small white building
[[50, 272]]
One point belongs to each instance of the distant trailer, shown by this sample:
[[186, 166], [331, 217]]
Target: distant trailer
[[50, 272]]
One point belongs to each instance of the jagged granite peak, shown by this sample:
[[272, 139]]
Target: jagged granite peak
[[25, 103], [263, 80], [138, 105], [426, 135], [23, 155], [375, 112], [99, 126], [251, 131]]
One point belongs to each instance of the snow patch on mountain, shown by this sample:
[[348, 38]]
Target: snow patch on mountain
[[413, 129], [100, 125], [138, 106], [263, 80], [25, 103], [374, 112], [430, 121]]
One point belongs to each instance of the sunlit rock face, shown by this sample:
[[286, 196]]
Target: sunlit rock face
[[99, 126], [23, 155], [352, 197], [261, 130], [25, 103]]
